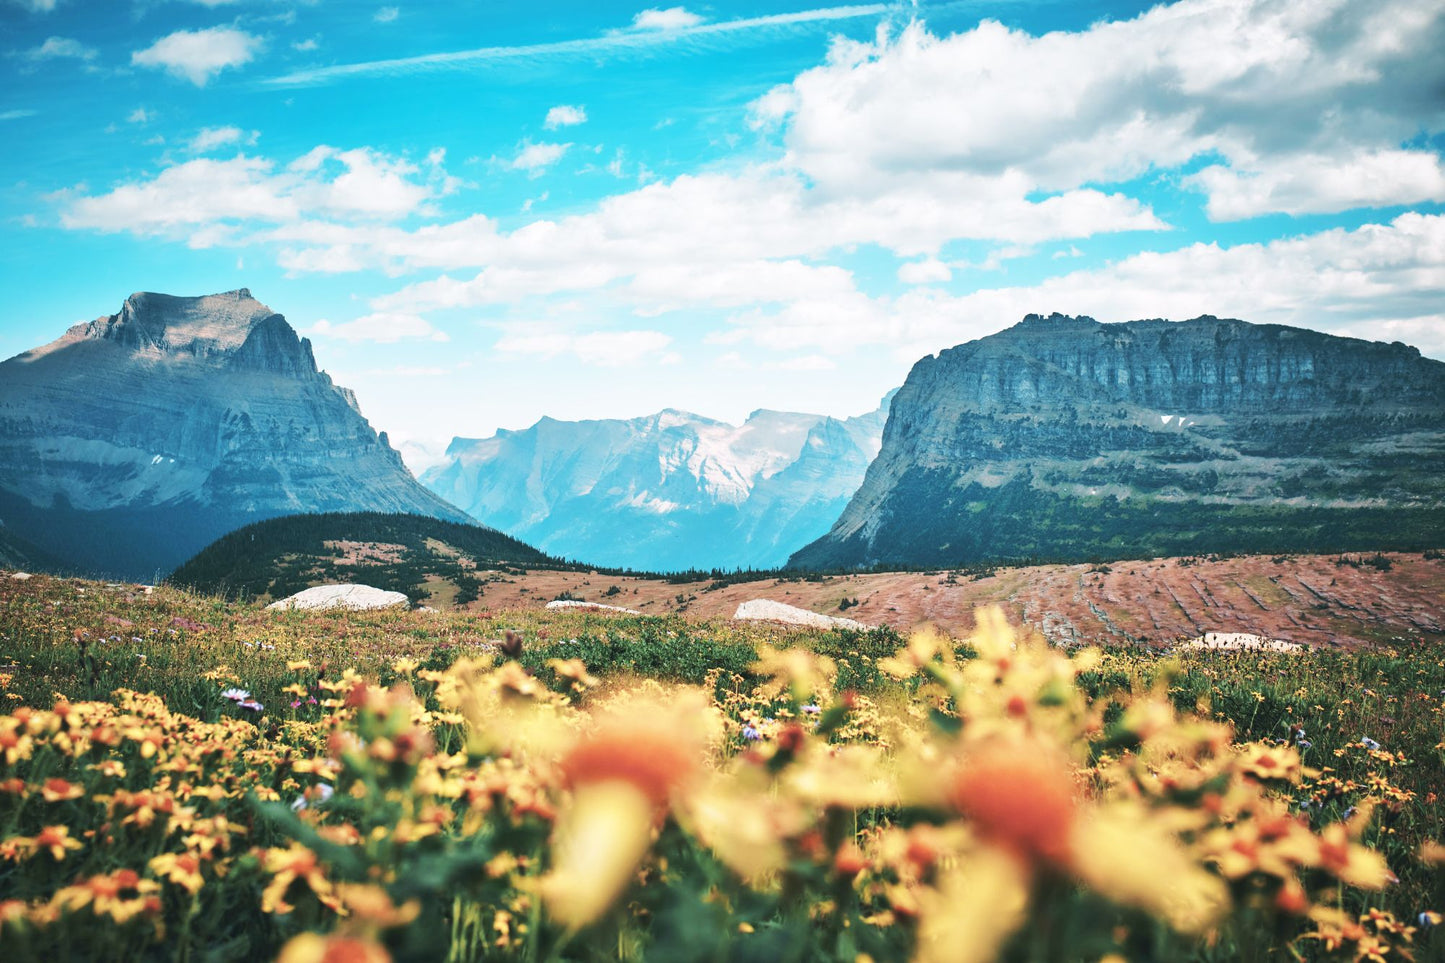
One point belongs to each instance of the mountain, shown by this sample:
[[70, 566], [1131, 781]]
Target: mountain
[[430, 560], [1063, 439], [17, 553], [668, 492], [134, 440]]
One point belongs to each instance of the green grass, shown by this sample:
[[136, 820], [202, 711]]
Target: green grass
[[84, 640]]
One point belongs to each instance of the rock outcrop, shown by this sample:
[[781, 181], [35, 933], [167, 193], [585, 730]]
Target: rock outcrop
[[667, 492], [1066, 439], [769, 610], [136, 439], [356, 598]]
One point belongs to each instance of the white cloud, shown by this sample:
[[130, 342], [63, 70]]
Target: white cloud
[[1262, 84], [386, 15], [37, 6], [141, 116], [673, 18], [1320, 183], [380, 328], [305, 46], [199, 55], [1380, 282], [536, 158], [210, 138], [61, 47], [613, 42], [928, 271], [16, 114], [604, 348], [728, 239], [207, 201], [565, 115], [370, 184]]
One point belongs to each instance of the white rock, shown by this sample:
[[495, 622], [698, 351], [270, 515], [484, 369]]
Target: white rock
[[342, 597], [572, 604], [20, 576], [766, 610], [1235, 641]]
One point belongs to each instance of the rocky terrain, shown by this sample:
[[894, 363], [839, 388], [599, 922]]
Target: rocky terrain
[[134, 440], [667, 492], [1316, 600], [1066, 439]]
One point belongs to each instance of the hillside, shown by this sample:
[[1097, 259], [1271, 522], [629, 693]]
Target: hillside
[[134, 440], [433, 561], [1066, 439], [1320, 600]]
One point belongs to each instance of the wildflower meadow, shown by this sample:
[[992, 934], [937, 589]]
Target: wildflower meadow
[[185, 779]]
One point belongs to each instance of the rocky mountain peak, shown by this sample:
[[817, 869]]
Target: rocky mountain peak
[[231, 328], [135, 439]]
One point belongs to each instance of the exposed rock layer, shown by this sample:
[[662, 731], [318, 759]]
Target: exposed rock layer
[[134, 440], [1062, 438]]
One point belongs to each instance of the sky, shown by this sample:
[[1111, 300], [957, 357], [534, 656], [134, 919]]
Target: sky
[[483, 212]]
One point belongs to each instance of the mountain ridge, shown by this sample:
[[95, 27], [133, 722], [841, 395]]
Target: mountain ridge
[[133, 440], [667, 491], [1065, 438]]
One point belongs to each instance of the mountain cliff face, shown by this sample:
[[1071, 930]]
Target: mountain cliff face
[[1062, 438], [136, 439], [667, 492]]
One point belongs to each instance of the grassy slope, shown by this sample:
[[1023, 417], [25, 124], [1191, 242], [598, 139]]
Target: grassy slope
[[402, 553], [169, 641]]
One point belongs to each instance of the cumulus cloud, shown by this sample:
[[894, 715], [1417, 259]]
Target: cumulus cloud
[[725, 239], [536, 158], [210, 138], [605, 348], [199, 55], [386, 14], [565, 115], [928, 271], [1321, 183], [141, 116], [56, 48], [381, 328], [206, 201], [673, 18], [1378, 281], [1262, 84]]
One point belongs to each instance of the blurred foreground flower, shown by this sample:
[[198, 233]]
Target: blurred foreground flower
[[622, 775]]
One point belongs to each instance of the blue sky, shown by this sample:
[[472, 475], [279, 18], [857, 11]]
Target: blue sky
[[486, 212]]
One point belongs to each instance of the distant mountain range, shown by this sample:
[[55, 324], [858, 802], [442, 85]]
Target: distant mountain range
[[668, 492], [134, 440], [1064, 439]]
